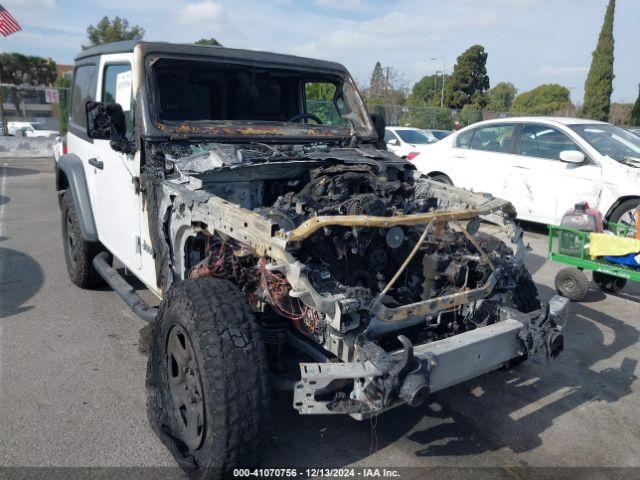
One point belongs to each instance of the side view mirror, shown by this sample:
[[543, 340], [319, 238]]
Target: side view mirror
[[107, 122], [394, 142], [572, 156]]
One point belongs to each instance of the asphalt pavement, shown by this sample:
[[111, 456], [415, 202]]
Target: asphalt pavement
[[72, 373]]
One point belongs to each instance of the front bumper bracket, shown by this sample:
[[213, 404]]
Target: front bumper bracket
[[445, 362]]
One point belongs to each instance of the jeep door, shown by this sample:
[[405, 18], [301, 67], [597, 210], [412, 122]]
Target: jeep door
[[117, 204], [85, 81]]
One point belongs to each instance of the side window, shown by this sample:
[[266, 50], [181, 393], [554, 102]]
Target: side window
[[493, 138], [388, 136], [464, 139], [116, 88], [84, 90], [544, 142], [319, 101]]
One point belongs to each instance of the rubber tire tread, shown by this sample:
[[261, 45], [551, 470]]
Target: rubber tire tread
[[84, 275], [608, 283], [526, 294], [581, 280], [622, 208], [234, 374]]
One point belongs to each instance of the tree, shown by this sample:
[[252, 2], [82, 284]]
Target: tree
[[377, 83], [500, 97], [599, 83], [20, 70], [634, 118], [469, 80], [208, 42], [385, 87], [107, 31], [426, 91], [542, 100]]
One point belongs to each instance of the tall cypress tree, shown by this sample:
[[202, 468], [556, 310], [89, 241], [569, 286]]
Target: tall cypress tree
[[469, 80], [599, 83], [634, 118]]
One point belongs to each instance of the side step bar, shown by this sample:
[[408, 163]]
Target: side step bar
[[119, 285]]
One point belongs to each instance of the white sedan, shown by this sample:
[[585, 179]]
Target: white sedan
[[543, 165], [407, 142]]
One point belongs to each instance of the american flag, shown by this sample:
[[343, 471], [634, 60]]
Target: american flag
[[8, 24]]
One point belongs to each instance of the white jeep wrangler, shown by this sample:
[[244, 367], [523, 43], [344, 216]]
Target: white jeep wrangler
[[252, 194]]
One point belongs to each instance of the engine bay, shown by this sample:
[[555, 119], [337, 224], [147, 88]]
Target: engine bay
[[345, 271]]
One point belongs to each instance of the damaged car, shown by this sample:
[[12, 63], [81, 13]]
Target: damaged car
[[252, 194]]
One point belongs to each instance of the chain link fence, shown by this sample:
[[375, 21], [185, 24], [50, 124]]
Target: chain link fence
[[43, 108], [442, 118]]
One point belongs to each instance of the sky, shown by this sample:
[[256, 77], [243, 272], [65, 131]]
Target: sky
[[529, 42]]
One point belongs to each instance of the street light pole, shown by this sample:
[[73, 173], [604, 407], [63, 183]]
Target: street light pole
[[444, 66]]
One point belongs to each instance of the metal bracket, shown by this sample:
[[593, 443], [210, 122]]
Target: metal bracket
[[316, 376]]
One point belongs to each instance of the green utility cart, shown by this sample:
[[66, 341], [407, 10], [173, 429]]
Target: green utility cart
[[571, 247]]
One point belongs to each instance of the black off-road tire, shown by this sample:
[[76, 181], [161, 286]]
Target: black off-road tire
[[623, 208], [572, 283], [608, 283], [233, 375], [78, 252], [525, 297]]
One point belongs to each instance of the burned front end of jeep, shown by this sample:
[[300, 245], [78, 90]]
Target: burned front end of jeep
[[372, 285]]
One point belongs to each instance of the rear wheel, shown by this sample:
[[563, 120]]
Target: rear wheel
[[608, 283], [207, 378], [78, 252], [572, 283]]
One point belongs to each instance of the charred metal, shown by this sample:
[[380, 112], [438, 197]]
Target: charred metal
[[349, 251]]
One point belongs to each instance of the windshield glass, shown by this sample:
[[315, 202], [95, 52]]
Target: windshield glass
[[198, 91], [38, 126], [413, 136], [610, 140]]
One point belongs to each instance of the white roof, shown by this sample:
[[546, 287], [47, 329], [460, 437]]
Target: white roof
[[403, 128], [561, 120]]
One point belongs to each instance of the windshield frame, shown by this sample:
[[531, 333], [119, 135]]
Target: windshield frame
[[579, 130], [246, 130]]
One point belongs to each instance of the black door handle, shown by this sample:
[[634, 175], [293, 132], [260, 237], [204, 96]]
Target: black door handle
[[96, 163]]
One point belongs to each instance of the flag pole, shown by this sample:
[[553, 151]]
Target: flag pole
[[3, 115]]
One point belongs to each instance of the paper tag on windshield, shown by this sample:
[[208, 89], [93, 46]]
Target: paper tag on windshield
[[123, 90]]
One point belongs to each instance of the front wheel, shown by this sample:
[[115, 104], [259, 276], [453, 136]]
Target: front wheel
[[624, 213], [207, 378]]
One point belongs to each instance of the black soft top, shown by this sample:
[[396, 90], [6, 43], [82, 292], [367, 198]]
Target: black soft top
[[219, 52]]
